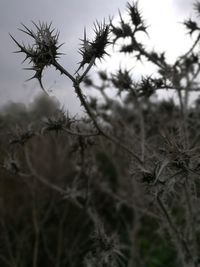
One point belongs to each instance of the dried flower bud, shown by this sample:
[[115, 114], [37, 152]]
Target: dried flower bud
[[55, 123], [146, 87], [122, 80], [106, 249], [103, 75], [88, 81], [121, 32], [96, 48], [191, 25], [135, 14], [43, 52]]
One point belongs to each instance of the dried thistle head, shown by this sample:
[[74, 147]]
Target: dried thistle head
[[129, 29], [88, 81], [106, 249], [55, 123], [191, 25], [94, 49], [44, 49], [135, 14], [149, 85], [122, 80], [103, 75], [178, 156], [123, 31]]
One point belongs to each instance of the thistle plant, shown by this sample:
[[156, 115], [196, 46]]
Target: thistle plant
[[44, 50], [92, 50], [134, 161]]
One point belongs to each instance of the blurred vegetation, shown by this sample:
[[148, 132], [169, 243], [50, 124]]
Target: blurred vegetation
[[54, 227]]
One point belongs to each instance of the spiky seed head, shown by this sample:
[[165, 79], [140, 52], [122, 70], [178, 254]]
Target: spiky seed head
[[96, 48], [122, 80], [43, 51], [191, 26], [135, 14]]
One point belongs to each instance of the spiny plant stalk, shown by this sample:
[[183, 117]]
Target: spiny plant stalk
[[129, 170]]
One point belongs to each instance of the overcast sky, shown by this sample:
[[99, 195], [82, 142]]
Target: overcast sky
[[70, 17]]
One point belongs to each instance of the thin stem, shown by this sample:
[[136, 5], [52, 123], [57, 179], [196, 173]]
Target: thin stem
[[190, 217], [60, 240], [174, 230], [148, 56], [85, 105], [39, 177], [8, 243], [142, 126], [80, 79], [63, 71], [192, 48], [37, 233]]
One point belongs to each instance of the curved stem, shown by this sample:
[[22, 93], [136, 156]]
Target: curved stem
[[192, 48]]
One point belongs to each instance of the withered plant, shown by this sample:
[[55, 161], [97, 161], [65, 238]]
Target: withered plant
[[120, 186]]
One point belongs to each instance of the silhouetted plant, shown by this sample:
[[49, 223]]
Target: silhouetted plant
[[120, 186]]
